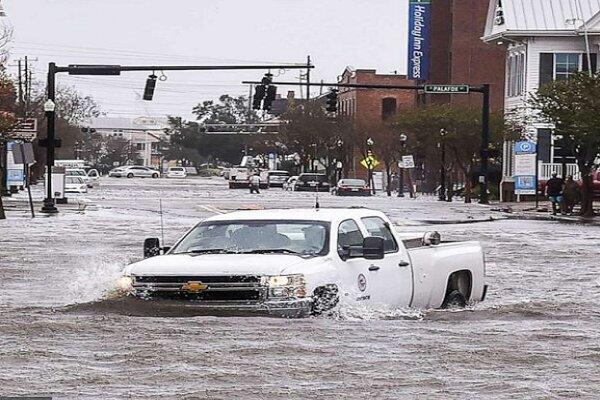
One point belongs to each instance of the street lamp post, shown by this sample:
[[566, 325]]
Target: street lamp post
[[401, 168], [50, 110], [369, 160], [442, 146], [339, 165]]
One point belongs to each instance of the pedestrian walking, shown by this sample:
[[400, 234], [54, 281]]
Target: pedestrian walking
[[554, 192], [255, 183], [571, 194]]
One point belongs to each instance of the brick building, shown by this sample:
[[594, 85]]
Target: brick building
[[457, 54], [368, 107], [373, 105]]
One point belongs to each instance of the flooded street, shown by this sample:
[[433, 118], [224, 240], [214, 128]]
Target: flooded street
[[63, 333]]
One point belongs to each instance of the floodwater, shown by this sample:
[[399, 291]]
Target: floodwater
[[63, 334]]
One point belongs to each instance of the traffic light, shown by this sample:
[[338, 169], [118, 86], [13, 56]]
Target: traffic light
[[332, 100], [149, 89], [259, 95], [271, 94]]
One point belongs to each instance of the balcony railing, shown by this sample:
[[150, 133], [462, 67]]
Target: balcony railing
[[545, 170]]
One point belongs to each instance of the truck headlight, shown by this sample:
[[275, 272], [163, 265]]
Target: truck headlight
[[286, 286], [125, 284]]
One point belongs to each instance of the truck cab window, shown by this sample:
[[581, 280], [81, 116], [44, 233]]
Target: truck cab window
[[349, 234], [377, 227]]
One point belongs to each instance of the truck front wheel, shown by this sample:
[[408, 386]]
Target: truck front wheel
[[324, 299]]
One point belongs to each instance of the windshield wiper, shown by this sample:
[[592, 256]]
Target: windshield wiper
[[209, 251], [271, 251]]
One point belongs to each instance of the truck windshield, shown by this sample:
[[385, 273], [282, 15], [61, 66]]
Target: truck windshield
[[306, 238]]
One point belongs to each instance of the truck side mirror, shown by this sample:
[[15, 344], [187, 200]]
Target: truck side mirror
[[151, 247], [373, 248]]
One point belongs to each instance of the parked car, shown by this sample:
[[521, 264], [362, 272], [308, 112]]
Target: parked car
[[290, 183], [352, 187], [277, 178], [75, 184], [80, 172], [176, 172], [134, 171], [300, 262], [312, 182]]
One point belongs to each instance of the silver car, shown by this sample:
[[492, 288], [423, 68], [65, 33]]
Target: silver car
[[134, 172]]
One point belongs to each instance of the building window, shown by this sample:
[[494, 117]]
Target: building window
[[388, 108], [141, 146], [565, 65], [516, 75]]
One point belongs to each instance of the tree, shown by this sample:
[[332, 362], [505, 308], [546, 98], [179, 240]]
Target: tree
[[572, 107], [229, 110], [313, 134], [462, 137]]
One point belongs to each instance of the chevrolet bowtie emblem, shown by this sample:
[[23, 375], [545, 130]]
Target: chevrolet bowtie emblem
[[194, 287]]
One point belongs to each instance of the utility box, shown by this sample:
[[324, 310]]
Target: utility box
[[58, 185]]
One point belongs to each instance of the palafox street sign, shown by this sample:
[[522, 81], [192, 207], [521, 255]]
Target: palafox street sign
[[418, 39], [447, 89]]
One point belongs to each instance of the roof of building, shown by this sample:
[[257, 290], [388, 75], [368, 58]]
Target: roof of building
[[140, 123], [541, 17]]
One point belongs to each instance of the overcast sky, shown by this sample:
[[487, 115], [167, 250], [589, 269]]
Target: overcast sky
[[336, 33]]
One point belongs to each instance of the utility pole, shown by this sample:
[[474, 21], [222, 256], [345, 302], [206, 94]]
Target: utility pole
[[308, 66], [485, 144]]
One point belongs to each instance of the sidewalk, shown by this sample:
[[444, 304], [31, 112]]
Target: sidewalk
[[528, 211]]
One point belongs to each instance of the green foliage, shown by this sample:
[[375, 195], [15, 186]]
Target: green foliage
[[229, 110], [573, 107]]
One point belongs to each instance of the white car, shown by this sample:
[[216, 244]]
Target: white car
[[80, 172], [277, 178], [176, 172], [133, 171], [301, 262], [75, 184]]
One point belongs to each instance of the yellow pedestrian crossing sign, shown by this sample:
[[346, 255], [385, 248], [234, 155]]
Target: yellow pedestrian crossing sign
[[370, 162]]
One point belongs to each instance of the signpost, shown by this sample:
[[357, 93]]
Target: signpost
[[407, 162], [447, 89], [525, 168]]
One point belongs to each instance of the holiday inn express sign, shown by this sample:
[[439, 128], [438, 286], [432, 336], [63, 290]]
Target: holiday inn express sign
[[418, 39]]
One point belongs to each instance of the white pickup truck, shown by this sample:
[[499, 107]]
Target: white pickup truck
[[300, 262]]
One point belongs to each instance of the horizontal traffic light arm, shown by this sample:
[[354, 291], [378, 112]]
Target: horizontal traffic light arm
[[86, 69], [359, 86]]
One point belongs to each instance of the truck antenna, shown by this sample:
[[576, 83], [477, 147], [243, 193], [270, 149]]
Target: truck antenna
[[162, 229]]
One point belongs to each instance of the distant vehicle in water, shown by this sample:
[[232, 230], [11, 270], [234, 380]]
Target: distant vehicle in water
[[133, 172], [352, 187], [290, 183], [176, 172], [75, 184], [277, 178], [312, 182], [89, 177], [300, 262]]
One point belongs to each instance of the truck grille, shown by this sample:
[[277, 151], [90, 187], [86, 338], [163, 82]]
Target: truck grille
[[214, 288]]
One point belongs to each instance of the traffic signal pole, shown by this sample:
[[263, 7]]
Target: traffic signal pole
[[485, 122], [51, 142]]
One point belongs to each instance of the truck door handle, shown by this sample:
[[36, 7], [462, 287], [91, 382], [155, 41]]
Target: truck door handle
[[373, 268], [403, 264]]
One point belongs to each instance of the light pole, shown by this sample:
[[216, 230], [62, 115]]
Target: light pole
[[370, 142], [403, 139], [339, 165], [442, 147], [50, 110]]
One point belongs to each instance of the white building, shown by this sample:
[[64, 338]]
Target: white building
[[145, 133], [545, 40]]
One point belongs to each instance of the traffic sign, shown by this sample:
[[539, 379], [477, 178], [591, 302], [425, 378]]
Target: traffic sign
[[447, 89], [407, 162], [26, 129], [370, 162]]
